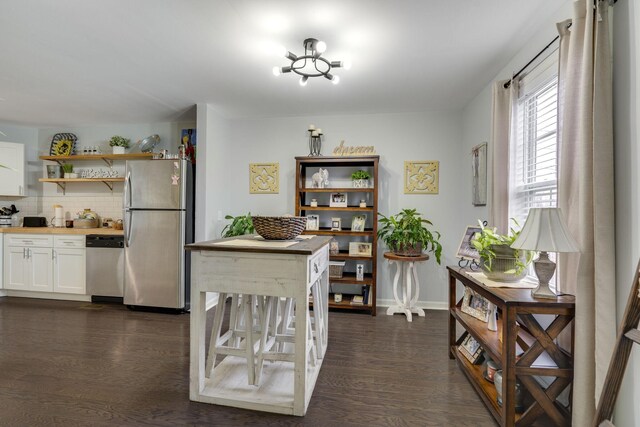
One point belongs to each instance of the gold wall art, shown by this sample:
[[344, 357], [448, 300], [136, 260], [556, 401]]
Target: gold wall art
[[264, 178], [421, 177]]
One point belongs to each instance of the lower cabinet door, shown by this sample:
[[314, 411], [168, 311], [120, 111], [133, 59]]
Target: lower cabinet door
[[41, 269], [69, 271], [16, 268]]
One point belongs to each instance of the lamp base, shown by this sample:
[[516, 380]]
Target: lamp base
[[544, 268]]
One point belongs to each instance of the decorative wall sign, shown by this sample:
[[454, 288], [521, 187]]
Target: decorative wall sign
[[421, 177], [363, 150], [479, 172], [264, 178]]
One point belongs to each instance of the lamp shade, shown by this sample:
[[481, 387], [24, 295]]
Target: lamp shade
[[545, 230]]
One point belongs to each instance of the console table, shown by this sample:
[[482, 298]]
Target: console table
[[262, 277], [521, 347]]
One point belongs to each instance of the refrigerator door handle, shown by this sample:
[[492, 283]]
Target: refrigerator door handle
[[127, 190], [127, 226]]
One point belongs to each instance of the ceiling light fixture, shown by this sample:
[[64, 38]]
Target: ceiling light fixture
[[311, 64]]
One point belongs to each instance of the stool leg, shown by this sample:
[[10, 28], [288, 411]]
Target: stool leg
[[249, 340], [318, 318], [265, 322], [234, 320], [312, 344], [215, 334]]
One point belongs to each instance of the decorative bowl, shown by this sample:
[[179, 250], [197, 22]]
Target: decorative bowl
[[279, 227]]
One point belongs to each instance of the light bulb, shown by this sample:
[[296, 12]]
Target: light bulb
[[276, 71], [303, 80], [335, 80], [346, 65], [321, 46]]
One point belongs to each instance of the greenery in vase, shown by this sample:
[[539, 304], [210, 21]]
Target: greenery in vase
[[241, 225], [360, 174], [119, 141], [488, 238], [67, 167], [408, 228]]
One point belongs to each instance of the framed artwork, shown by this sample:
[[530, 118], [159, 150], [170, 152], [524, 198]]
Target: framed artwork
[[475, 305], [466, 249], [479, 173], [357, 223], [421, 177], [360, 249], [334, 247], [470, 349], [63, 144], [313, 222], [338, 200], [359, 271], [264, 178], [336, 224]]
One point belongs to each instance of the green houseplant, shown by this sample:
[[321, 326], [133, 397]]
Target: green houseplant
[[499, 261], [67, 168], [119, 144], [240, 225], [407, 234], [360, 179]]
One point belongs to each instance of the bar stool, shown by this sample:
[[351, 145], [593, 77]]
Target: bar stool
[[405, 264]]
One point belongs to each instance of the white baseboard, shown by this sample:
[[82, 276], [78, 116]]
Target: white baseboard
[[426, 305], [47, 295]]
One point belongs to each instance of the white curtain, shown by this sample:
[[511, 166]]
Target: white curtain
[[585, 194], [503, 103]]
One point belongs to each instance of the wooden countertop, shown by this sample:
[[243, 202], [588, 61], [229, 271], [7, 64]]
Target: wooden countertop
[[52, 230], [302, 247]]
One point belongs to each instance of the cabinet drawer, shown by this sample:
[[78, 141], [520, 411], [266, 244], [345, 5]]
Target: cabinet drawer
[[70, 241], [318, 263], [29, 240]]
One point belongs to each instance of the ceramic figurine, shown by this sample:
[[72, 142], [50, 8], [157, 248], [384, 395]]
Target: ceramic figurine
[[320, 179]]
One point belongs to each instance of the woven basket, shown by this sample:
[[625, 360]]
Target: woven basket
[[279, 227]]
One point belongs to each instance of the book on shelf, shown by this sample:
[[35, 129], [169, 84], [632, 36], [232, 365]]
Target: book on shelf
[[357, 300], [365, 294]]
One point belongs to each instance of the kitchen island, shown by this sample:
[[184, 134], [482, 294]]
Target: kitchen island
[[268, 284]]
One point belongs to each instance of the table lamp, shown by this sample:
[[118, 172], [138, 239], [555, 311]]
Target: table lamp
[[545, 231]]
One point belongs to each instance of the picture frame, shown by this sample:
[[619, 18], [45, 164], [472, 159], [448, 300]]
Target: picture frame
[[475, 305], [338, 200], [358, 222], [466, 250], [359, 271], [471, 349], [360, 249], [334, 247], [336, 224], [313, 222], [479, 172]]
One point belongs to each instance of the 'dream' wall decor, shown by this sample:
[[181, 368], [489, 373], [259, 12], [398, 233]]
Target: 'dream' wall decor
[[264, 178], [421, 177]]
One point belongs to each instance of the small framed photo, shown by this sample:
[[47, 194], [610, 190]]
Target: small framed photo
[[313, 222], [360, 249], [475, 305], [334, 247], [466, 249], [470, 348], [357, 224], [336, 224], [359, 271], [338, 200]]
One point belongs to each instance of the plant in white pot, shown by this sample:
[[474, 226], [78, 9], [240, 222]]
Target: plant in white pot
[[67, 168], [406, 234], [360, 179], [119, 144], [498, 260]]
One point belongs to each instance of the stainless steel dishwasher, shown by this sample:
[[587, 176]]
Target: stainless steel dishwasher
[[105, 268]]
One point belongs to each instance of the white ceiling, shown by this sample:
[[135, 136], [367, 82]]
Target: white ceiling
[[75, 62]]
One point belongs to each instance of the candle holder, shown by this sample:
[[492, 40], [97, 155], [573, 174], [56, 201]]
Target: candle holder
[[315, 141]]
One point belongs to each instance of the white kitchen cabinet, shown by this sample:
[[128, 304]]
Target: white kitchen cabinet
[[12, 172], [69, 270], [28, 269]]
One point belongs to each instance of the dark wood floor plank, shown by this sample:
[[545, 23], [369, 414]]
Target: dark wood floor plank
[[73, 363]]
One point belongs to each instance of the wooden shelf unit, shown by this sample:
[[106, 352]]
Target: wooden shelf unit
[[307, 166], [527, 350]]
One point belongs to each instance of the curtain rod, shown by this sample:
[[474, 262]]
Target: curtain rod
[[507, 84]]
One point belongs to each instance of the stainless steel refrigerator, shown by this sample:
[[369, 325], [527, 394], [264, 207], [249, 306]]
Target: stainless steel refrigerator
[[158, 221]]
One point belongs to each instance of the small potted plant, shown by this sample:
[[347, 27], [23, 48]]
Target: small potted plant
[[499, 261], [406, 234], [360, 179], [240, 225], [68, 171], [119, 144]]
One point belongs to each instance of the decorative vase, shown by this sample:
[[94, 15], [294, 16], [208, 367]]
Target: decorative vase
[[360, 183], [408, 250], [118, 150], [497, 381], [504, 261]]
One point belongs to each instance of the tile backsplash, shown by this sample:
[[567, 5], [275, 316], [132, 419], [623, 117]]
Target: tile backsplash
[[106, 206]]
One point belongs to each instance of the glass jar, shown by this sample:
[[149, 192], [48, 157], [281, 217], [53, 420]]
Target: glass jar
[[518, 392]]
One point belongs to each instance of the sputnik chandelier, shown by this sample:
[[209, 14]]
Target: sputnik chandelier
[[312, 64]]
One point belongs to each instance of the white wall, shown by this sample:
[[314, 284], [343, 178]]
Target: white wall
[[397, 137], [626, 95]]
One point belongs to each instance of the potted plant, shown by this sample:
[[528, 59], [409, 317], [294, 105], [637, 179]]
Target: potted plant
[[499, 261], [360, 179], [119, 144], [406, 234], [68, 171], [241, 224]]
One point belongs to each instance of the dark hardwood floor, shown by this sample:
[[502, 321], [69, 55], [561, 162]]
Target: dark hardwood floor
[[70, 363]]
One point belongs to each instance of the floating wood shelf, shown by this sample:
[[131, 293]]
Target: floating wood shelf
[[107, 158], [62, 182]]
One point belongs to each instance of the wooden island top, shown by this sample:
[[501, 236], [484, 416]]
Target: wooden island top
[[306, 245]]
